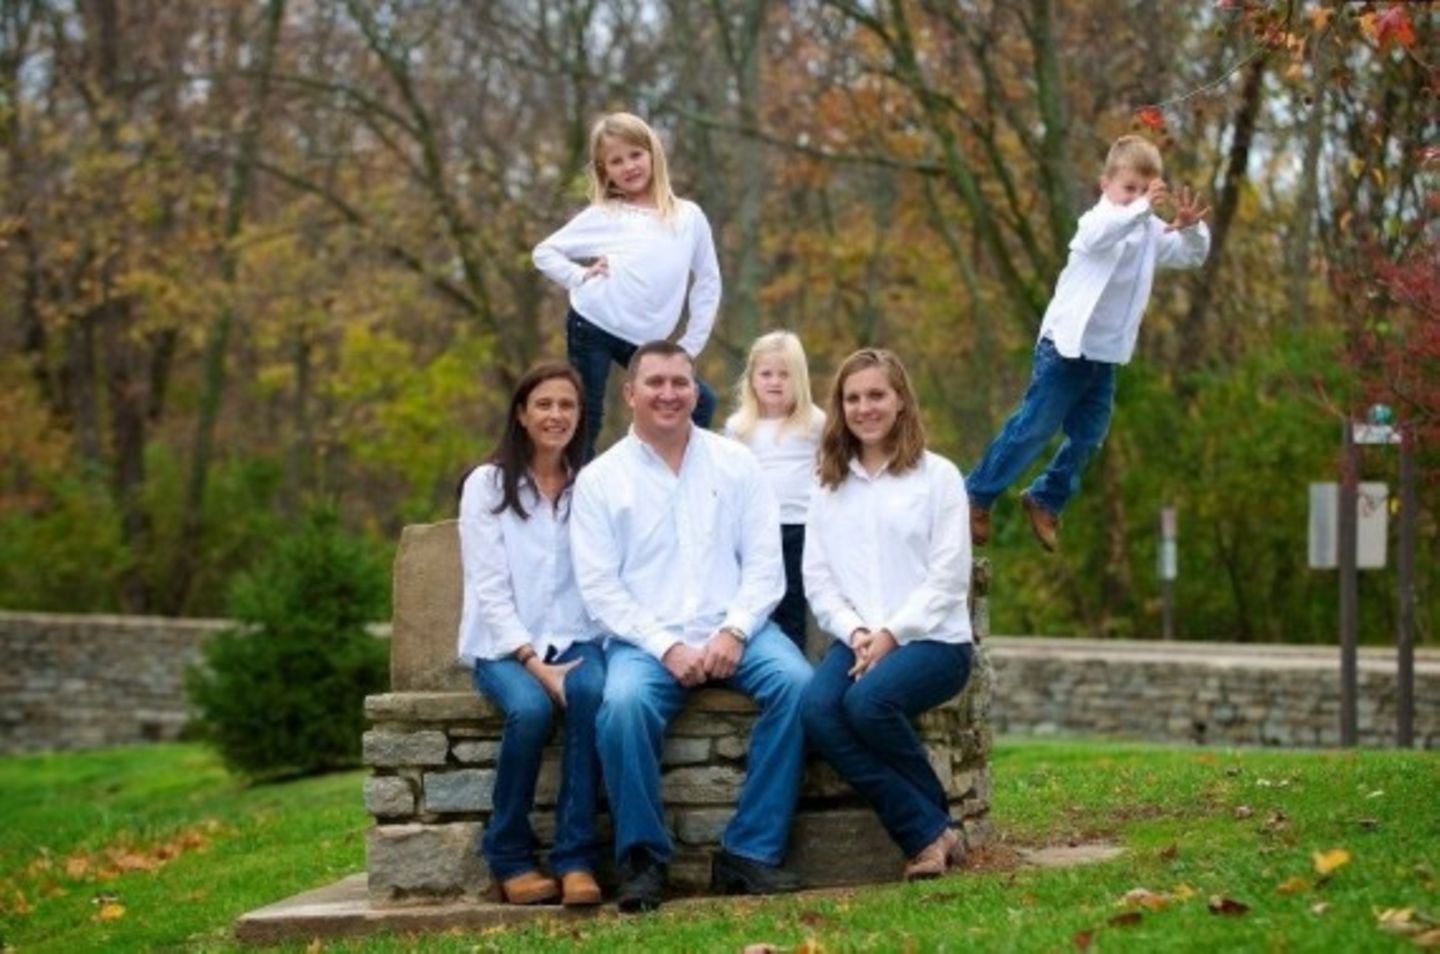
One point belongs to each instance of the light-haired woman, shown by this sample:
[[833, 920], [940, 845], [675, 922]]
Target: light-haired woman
[[887, 572]]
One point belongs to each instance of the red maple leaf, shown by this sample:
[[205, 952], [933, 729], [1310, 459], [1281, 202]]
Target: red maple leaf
[[1394, 24], [1151, 117]]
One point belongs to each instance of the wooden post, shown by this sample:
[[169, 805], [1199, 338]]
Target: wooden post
[[1405, 569], [1348, 531]]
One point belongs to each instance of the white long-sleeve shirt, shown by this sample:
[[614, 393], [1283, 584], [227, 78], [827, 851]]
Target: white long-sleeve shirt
[[519, 583], [650, 264], [662, 557], [891, 552], [787, 458], [1107, 278]]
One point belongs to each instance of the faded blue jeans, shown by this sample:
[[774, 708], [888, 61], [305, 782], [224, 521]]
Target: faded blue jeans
[[641, 697], [862, 727], [590, 350], [1073, 395], [508, 844]]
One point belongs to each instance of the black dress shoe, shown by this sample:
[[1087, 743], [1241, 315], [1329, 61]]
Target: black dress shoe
[[643, 885], [731, 874]]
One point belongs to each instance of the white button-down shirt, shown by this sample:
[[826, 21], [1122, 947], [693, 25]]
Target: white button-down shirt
[[1108, 277], [787, 458], [518, 578], [892, 552], [663, 557], [650, 263]]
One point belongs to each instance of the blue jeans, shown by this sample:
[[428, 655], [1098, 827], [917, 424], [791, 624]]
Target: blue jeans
[[590, 349], [509, 843], [641, 697], [1075, 395], [789, 615], [862, 727]]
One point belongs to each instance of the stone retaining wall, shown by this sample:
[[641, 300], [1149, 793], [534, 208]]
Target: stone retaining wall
[[82, 682], [1208, 693]]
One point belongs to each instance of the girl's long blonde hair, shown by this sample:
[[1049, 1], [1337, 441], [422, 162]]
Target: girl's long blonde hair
[[838, 446], [633, 131], [802, 412]]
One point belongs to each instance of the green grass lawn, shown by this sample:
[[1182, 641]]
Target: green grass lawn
[[156, 847]]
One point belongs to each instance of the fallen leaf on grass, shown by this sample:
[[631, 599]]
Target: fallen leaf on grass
[[812, 919], [1368, 824], [1278, 821], [1326, 862], [1082, 940], [21, 905], [1320, 907], [1227, 906], [1144, 898], [809, 946], [760, 949], [1126, 919], [1243, 812], [1430, 938], [315, 946], [76, 866], [1183, 892], [1170, 852], [111, 911], [1376, 794], [1293, 885]]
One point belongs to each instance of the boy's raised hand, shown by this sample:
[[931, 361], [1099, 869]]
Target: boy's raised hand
[[1187, 210]]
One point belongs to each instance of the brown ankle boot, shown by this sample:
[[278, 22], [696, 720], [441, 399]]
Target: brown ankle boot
[[578, 889], [1045, 524], [529, 888]]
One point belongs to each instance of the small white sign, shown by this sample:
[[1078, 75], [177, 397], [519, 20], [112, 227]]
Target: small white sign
[[1376, 434], [1372, 525], [1169, 561]]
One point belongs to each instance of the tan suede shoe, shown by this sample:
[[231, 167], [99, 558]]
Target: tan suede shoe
[[578, 889], [1045, 524], [934, 859], [529, 888]]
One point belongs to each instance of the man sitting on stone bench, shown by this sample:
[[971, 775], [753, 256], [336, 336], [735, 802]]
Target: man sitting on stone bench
[[676, 545]]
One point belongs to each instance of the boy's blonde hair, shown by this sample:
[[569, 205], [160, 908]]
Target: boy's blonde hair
[[838, 446], [633, 131], [802, 412], [1135, 153]]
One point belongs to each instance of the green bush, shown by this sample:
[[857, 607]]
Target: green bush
[[283, 693]]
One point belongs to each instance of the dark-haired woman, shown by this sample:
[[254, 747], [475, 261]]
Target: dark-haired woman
[[533, 646], [887, 572]]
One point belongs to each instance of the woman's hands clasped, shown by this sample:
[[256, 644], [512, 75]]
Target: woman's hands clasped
[[870, 647]]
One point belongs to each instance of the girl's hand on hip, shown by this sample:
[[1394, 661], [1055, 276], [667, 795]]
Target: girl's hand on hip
[[600, 268]]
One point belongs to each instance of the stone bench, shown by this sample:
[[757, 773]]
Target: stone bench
[[433, 743]]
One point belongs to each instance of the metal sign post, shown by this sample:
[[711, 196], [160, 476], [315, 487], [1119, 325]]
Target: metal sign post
[[1169, 570], [1405, 567]]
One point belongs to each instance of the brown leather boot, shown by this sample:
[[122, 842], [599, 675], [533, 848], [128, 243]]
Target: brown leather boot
[[578, 889], [979, 524], [1045, 524], [529, 888]]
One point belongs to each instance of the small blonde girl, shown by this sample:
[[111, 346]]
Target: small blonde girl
[[628, 261], [778, 420]]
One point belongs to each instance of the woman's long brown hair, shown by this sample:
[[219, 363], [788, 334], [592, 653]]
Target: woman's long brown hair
[[838, 446], [515, 452]]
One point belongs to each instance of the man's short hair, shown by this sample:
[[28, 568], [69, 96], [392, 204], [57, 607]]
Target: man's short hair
[[664, 349]]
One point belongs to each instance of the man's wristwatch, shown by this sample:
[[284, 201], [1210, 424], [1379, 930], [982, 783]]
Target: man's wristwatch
[[736, 632], [524, 654]]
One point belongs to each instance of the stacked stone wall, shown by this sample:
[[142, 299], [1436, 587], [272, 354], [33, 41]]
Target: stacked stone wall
[[82, 682]]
